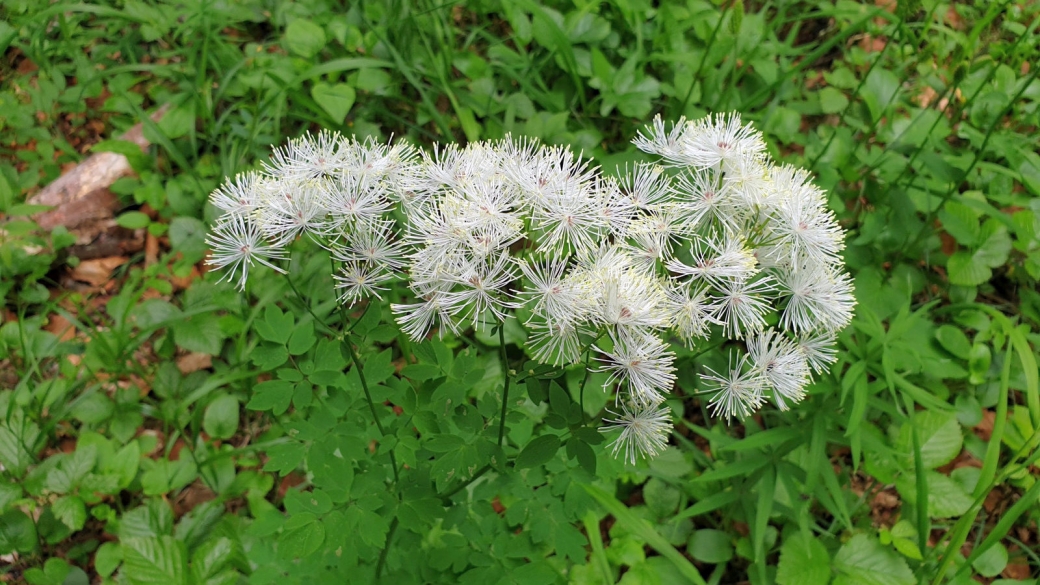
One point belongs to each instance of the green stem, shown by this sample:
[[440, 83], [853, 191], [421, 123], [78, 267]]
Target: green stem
[[347, 328], [386, 548], [584, 380], [371, 403], [704, 59], [505, 370]]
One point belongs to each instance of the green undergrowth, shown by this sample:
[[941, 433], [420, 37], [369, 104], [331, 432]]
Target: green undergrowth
[[204, 436]]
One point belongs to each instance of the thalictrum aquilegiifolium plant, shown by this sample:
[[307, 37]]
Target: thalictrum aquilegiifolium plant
[[700, 248]]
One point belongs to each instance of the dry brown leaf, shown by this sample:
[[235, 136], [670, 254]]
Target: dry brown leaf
[[984, 429], [60, 327], [194, 362], [98, 271], [181, 283]]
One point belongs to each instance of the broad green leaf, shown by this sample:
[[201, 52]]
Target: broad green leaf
[[301, 541], [946, 498], [940, 435], [54, 572], [992, 562], [710, 546], [863, 561], [996, 244], [208, 560], [108, 556], [273, 395], [221, 418], [154, 561], [660, 497], [276, 325], [803, 561], [965, 269], [17, 532], [71, 511], [954, 340], [336, 99], [304, 38], [200, 333], [302, 338], [832, 100], [133, 220], [538, 451], [961, 222]]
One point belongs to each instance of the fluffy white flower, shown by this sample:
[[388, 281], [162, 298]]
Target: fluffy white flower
[[692, 311], [236, 243], [644, 431], [360, 280], [738, 392], [820, 298], [668, 144], [781, 366], [239, 196], [819, 350], [742, 305], [716, 261], [714, 140], [643, 364]]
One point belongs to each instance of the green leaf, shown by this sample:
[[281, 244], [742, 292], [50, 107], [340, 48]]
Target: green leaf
[[71, 511], [133, 220], [273, 395], [660, 497], [832, 100], [379, 367], [108, 556], [166, 476], [580, 450], [212, 556], [941, 438], [946, 498], [954, 340], [276, 326], [992, 562], [304, 38], [199, 333], [863, 561], [336, 99], [302, 338], [301, 541], [538, 451], [54, 572], [803, 561], [221, 418], [154, 561], [17, 532], [961, 222], [996, 244], [964, 269], [710, 546]]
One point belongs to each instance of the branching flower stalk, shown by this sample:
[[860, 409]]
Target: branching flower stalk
[[710, 244]]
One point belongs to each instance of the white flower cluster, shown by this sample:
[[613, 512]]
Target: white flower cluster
[[714, 240]]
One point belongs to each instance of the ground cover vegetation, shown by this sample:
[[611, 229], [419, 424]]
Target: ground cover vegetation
[[159, 426]]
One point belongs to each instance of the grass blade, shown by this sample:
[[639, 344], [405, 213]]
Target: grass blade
[[642, 529]]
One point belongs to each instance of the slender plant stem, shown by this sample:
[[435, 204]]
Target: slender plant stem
[[505, 390], [704, 59], [371, 403], [305, 304], [584, 380], [386, 549]]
